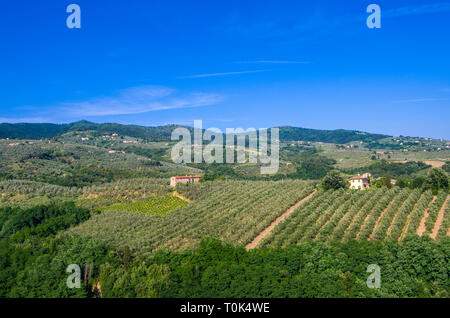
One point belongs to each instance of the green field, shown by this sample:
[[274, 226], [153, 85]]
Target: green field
[[158, 206]]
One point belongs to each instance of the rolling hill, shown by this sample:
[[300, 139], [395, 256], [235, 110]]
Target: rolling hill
[[45, 130], [163, 133]]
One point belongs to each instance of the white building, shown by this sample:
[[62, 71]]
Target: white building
[[359, 182]]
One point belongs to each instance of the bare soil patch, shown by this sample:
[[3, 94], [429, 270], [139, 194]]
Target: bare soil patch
[[422, 226], [434, 163], [182, 197], [439, 220]]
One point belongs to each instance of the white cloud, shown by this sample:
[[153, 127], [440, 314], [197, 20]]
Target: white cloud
[[136, 100], [222, 74]]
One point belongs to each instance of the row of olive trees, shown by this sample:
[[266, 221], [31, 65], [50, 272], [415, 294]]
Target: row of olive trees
[[235, 212]]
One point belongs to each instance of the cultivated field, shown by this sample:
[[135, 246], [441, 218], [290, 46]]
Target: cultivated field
[[239, 212], [376, 214], [234, 211], [158, 205]]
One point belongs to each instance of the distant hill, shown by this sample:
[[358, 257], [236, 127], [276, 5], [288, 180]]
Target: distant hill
[[339, 136], [31, 131], [38, 131], [163, 133]]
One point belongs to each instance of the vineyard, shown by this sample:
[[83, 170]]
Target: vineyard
[[376, 214], [235, 212], [158, 205], [238, 211]]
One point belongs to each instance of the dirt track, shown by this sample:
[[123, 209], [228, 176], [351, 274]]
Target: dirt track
[[269, 229], [422, 226], [439, 220], [179, 196]]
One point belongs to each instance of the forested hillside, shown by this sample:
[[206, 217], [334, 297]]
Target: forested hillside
[[339, 136], [163, 133], [38, 131]]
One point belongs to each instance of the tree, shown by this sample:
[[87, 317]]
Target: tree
[[436, 179], [333, 180], [403, 182], [417, 182], [446, 167], [387, 180], [313, 166], [126, 256]]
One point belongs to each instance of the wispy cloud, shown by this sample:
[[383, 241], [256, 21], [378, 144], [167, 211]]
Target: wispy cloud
[[419, 100], [24, 120], [321, 23], [138, 100], [222, 74], [272, 62], [133, 100], [416, 10]]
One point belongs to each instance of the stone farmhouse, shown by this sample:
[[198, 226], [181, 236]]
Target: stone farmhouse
[[360, 182], [184, 179]]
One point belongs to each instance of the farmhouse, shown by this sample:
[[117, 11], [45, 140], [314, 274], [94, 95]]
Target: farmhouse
[[360, 182], [184, 179]]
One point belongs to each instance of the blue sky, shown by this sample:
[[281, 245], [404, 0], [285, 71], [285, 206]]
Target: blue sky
[[247, 63]]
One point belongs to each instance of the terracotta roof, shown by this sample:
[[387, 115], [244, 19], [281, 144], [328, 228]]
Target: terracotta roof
[[184, 177]]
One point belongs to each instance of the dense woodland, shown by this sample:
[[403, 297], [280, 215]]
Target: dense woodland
[[38, 131], [339, 136], [381, 167]]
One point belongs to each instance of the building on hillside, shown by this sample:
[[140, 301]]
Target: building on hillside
[[360, 182], [184, 179]]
